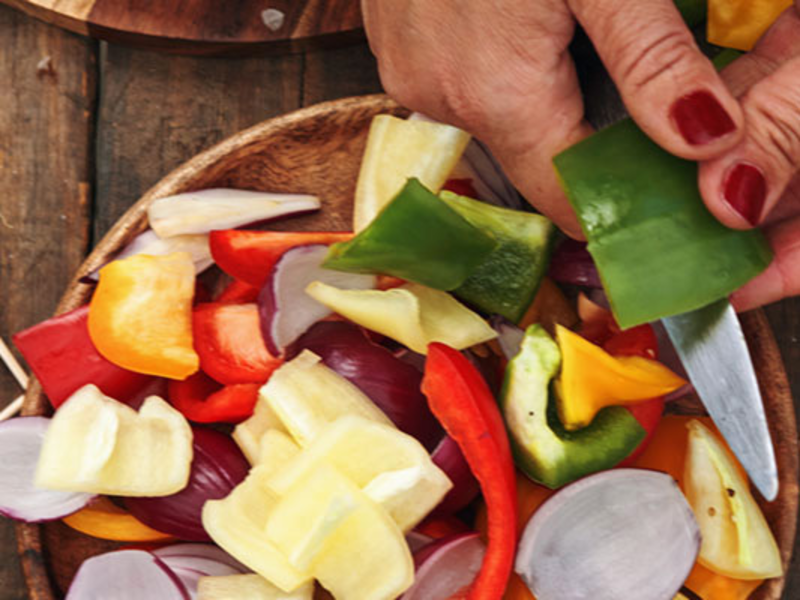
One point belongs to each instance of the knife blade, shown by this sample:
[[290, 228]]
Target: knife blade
[[712, 347]]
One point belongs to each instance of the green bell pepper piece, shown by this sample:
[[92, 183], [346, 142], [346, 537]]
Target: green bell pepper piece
[[543, 449], [659, 251], [506, 282], [416, 237]]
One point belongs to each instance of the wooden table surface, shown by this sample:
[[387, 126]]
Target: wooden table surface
[[86, 128]]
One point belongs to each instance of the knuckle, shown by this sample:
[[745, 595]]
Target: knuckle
[[664, 56], [776, 123]]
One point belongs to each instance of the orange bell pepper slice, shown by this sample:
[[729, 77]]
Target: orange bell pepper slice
[[592, 379], [740, 23], [140, 317], [105, 520]]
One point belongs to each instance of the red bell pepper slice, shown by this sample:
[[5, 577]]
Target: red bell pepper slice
[[227, 338], [461, 400], [250, 255], [238, 292], [202, 400], [61, 354], [462, 187]]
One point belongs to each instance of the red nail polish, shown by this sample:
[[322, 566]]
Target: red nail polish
[[745, 190], [700, 118]]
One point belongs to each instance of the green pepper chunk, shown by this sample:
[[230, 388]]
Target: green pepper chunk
[[506, 282], [416, 237], [543, 449], [659, 251]]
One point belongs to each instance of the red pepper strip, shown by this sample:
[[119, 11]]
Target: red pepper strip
[[227, 338], [64, 359], [238, 292], [250, 255], [462, 187], [202, 400], [442, 527], [461, 400]]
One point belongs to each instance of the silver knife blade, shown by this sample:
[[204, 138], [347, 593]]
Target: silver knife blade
[[713, 350]]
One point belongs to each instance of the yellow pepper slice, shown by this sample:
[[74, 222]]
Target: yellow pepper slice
[[740, 23], [140, 317], [592, 379], [412, 314], [105, 520]]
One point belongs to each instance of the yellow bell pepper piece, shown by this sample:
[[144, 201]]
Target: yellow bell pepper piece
[[412, 314], [140, 317], [592, 379], [105, 520], [740, 23]]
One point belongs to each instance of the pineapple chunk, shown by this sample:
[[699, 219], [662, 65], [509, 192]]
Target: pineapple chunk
[[248, 433], [98, 445], [251, 587], [306, 395], [398, 149], [236, 523], [392, 467], [276, 450], [350, 544], [737, 540]]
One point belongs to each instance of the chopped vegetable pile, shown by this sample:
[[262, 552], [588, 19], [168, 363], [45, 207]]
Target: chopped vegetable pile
[[414, 410]]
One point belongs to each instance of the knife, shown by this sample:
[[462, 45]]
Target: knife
[[712, 347]]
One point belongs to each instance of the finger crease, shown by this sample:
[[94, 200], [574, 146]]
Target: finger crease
[[665, 51]]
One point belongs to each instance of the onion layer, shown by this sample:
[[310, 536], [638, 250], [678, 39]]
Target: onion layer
[[449, 458], [446, 566], [20, 445]]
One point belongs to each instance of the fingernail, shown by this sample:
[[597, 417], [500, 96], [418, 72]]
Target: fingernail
[[745, 190], [700, 118]]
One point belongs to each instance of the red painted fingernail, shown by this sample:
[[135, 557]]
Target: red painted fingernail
[[745, 190], [700, 118]]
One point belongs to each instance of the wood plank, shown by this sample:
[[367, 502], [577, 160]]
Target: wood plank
[[45, 191], [341, 72], [157, 111], [205, 26]]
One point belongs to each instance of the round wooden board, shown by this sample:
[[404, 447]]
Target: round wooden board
[[207, 27], [318, 150]]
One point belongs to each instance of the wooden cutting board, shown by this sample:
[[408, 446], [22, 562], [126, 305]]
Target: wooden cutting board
[[205, 26]]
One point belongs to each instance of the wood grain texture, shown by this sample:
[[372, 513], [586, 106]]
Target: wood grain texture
[[318, 150], [155, 111], [204, 26], [45, 175]]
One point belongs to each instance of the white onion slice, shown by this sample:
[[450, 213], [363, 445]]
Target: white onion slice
[[125, 575], [199, 551], [190, 562], [448, 566], [626, 533], [219, 208], [286, 310], [148, 242], [20, 445]]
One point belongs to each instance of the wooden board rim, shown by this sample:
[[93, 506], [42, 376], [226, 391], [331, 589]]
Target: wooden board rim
[[766, 355]]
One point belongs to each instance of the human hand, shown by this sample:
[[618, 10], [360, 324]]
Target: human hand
[[502, 71], [764, 191]]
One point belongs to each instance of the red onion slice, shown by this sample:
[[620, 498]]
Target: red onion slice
[[20, 445], [126, 575], [218, 466], [286, 310], [199, 551], [417, 541], [626, 533], [446, 566], [572, 263], [449, 458], [509, 336]]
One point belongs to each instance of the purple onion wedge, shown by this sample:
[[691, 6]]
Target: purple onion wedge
[[626, 533], [20, 445], [285, 309], [449, 458]]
